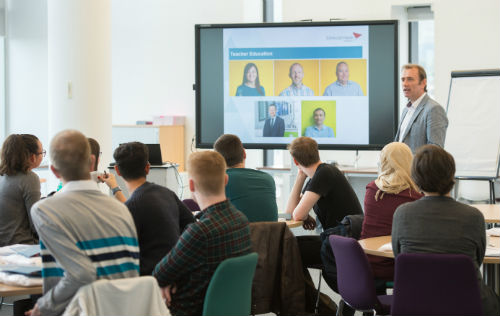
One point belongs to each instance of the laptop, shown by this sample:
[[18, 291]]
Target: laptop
[[155, 155]]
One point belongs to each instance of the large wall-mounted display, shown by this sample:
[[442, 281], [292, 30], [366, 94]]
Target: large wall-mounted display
[[269, 83]]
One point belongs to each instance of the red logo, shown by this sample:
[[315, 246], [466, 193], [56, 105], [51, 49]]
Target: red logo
[[356, 35]]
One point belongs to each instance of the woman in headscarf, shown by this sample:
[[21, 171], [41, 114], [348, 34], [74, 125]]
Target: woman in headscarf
[[393, 187]]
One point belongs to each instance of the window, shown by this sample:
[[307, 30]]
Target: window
[[421, 41]]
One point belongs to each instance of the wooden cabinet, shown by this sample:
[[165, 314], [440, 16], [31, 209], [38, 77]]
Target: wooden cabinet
[[170, 138]]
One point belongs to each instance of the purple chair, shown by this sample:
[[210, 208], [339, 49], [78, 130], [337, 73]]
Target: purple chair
[[191, 205], [435, 284], [355, 278]]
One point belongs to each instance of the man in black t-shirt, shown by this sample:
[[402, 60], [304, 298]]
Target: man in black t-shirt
[[327, 191], [331, 197], [159, 216]]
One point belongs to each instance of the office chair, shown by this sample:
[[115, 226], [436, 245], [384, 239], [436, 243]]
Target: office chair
[[435, 284], [355, 278], [230, 289]]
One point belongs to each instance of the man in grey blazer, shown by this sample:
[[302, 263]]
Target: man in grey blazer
[[423, 120]]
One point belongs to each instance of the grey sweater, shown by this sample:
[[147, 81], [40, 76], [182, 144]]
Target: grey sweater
[[439, 224], [17, 194], [85, 236]]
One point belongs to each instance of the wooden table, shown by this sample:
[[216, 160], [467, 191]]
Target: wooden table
[[491, 212], [490, 264], [13, 290], [291, 223], [371, 246]]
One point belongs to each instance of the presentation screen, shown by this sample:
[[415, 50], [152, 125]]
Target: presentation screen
[[270, 83]]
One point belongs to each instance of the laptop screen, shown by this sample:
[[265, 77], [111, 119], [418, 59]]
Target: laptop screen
[[154, 154]]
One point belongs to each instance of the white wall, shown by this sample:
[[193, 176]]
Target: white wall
[[152, 59], [26, 68], [467, 35], [153, 55], [153, 52]]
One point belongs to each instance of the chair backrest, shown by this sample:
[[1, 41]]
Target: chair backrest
[[191, 205], [435, 284], [354, 275], [130, 296], [230, 289]]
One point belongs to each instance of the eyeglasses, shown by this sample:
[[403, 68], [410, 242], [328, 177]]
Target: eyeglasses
[[43, 153]]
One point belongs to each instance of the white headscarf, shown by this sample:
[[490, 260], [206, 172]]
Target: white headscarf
[[394, 174]]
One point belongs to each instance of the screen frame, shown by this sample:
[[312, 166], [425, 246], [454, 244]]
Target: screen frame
[[197, 86]]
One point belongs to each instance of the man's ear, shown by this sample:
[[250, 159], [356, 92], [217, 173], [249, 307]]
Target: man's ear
[[226, 179], [148, 166], [191, 185], [295, 162], [244, 154], [55, 172], [117, 171], [93, 164]]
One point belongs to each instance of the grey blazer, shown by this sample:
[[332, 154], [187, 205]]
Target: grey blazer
[[427, 125]]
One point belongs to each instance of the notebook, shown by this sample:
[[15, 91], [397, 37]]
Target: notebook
[[155, 155]]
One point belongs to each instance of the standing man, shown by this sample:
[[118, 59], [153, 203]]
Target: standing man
[[222, 232], [159, 216], [253, 192], [423, 120], [297, 88], [84, 234], [274, 125]]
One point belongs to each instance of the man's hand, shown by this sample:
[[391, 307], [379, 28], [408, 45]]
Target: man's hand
[[109, 179], [167, 292], [309, 223], [301, 176], [33, 312]]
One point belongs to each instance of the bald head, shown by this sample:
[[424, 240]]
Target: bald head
[[70, 155]]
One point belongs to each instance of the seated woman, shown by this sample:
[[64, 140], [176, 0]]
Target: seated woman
[[250, 85], [19, 188], [437, 223], [392, 188]]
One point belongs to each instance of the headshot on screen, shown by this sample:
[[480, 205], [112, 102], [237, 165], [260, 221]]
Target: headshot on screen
[[319, 129], [343, 86], [274, 126], [297, 88], [250, 84]]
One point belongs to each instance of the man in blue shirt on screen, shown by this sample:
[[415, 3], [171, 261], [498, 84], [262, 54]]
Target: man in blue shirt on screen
[[319, 129], [297, 88], [343, 86]]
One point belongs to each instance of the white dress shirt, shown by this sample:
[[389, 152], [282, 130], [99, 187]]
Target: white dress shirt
[[408, 116]]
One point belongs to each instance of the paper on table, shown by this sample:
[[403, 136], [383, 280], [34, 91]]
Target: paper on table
[[24, 270], [492, 252], [495, 231], [19, 279], [386, 247]]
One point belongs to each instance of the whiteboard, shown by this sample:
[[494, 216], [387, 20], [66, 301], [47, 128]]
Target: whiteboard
[[473, 135]]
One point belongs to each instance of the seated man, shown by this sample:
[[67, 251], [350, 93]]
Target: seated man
[[159, 215], [84, 234], [331, 197], [253, 192], [222, 232]]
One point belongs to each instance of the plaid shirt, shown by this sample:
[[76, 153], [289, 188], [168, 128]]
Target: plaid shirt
[[221, 233]]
